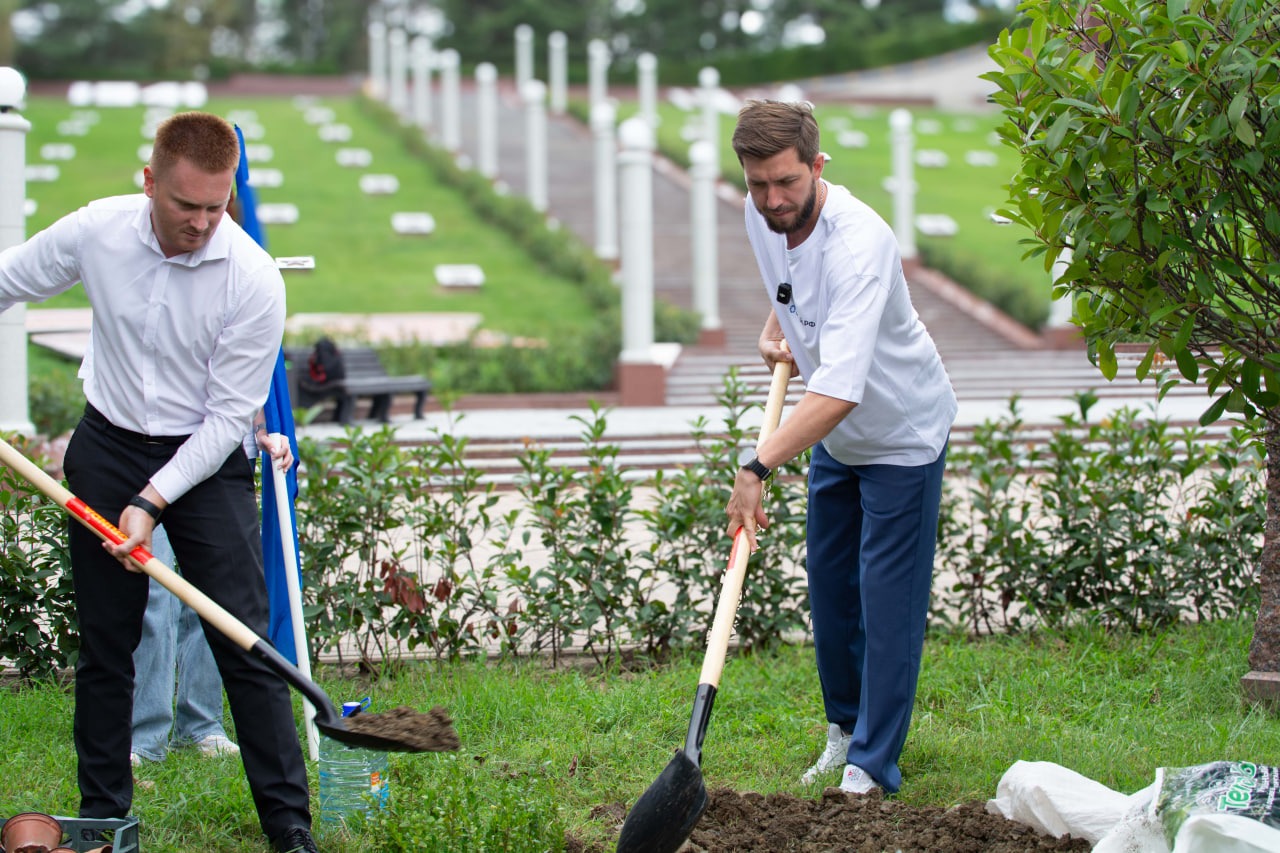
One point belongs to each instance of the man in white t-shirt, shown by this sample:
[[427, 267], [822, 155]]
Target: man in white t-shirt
[[877, 411]]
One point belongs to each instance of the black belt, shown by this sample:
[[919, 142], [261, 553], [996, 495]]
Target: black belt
[[98, 419]]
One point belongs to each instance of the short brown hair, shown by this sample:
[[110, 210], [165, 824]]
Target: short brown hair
[[767, 128], [205, 140]]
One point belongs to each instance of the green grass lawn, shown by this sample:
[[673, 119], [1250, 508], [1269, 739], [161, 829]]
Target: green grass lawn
[[540, 748], [362, 265]]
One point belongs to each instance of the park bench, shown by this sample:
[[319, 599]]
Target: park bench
[[365, 378]]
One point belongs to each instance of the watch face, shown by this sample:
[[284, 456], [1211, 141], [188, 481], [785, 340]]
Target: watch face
[[745, 455]]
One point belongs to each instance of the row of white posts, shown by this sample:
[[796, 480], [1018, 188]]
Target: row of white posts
[[623, 161]]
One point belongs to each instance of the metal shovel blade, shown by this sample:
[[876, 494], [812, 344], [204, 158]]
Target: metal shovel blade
[[663, 817]]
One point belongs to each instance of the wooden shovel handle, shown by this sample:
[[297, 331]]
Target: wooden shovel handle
[[206, 607], [735, 574]]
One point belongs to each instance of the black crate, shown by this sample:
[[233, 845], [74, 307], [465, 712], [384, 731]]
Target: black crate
[[86, 833]]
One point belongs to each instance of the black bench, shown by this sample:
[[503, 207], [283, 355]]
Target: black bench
[[366, 377]]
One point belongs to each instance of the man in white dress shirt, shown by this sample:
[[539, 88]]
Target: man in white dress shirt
[[188, 314], [877, 411]]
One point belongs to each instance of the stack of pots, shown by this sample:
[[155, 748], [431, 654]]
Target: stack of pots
[[33, 832]]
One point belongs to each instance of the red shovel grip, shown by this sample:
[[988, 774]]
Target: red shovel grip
[[104, 528]]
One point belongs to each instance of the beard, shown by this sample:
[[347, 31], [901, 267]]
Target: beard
[[802, 218]]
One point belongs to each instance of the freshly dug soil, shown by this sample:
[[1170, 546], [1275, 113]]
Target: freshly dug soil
[[842, 823], [429, 732]]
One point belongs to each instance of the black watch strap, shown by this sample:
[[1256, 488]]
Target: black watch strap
[[755, 466], [146, 506]]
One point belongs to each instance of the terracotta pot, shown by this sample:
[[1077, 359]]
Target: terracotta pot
[[30, 832]]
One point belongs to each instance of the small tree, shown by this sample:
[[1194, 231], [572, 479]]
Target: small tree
[[1151, 158]]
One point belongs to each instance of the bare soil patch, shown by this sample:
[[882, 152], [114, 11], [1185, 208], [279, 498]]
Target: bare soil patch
[[738, 822]]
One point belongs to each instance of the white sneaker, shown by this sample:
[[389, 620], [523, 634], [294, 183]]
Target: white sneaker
[[216, 745], [856, 781], [833, 756], [135, 760]]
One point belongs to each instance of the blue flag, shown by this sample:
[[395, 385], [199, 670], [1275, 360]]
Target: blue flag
[[278, 413]]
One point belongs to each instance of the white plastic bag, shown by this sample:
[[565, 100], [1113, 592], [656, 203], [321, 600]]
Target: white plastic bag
[[1056, 801], [1221, 807]]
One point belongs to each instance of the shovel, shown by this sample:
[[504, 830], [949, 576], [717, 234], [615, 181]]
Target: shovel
[[409, 732], [666, 813]]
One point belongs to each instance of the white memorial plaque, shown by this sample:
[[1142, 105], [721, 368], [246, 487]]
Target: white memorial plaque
[[57, 151], [296, 262], [29, 207], [355, 158], [144, 153], [335, 133], [936, 225], [259, 153], [266, 178], [379, 184], [931, 158], [413, 223], [42, 173], [459, 275], [278, 214]]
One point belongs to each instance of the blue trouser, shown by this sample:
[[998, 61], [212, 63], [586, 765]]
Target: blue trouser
[[872, 532], [173, 652]]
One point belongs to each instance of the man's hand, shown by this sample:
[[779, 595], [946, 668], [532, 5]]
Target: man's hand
[[276, 445], [746, 507], [137, 525], [773, 346]]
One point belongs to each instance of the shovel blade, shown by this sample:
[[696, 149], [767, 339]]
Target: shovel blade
[[663, 817]]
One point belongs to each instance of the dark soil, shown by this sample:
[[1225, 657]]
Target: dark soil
[[429, 732], [843, 823]]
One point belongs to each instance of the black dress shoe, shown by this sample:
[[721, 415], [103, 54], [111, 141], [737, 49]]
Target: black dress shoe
[[295, 839]]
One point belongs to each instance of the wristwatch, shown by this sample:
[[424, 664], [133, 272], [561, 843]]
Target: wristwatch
[[751, 462]]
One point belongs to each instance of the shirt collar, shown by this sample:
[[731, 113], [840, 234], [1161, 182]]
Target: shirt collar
[[218, 248]]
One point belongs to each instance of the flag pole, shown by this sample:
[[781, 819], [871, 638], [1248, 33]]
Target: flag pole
[[295, 599]]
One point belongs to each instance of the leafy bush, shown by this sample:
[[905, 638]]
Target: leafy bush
[[38, 629], [1123, 521], [406, 551]]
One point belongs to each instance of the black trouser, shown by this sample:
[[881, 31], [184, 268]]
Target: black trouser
[[216, 539]]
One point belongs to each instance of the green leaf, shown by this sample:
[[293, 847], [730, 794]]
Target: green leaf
[[1187, 365], [1244, 132], [1107, 363], [1057, 132], [1214, 412]]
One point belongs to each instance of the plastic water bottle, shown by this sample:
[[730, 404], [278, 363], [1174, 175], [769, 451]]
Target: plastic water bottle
[[351, 778]]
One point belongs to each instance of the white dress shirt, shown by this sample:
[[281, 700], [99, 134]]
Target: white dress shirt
[[855, 335], [179, 346]]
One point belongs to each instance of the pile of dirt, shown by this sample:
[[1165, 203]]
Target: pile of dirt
[[754, 823]]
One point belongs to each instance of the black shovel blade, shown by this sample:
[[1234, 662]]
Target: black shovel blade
[[663, 817]]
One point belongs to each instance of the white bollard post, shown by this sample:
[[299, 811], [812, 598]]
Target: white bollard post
[[487, 119], [1060, 331], [606, 149], [421, 61], [558, 71], [524, 56], [377, 60], [450, 132], [641, 378], [397, 97], [703, 230], [647, 87], [635, 179], [15, 415], [598, 59], [904, 187], [535, 131], [708, 97]]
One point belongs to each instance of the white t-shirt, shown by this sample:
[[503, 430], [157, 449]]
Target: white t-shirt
[[179, 346], [855, 335]]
